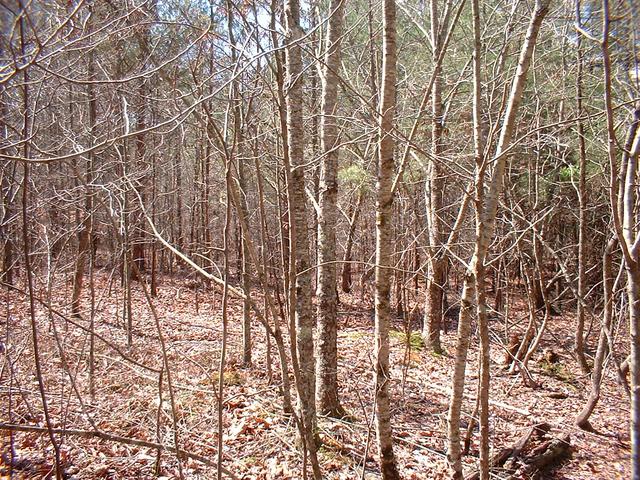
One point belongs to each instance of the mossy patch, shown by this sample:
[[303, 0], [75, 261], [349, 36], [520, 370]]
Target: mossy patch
[[414, 339], [438, 355], [557, 370], [352, 334]]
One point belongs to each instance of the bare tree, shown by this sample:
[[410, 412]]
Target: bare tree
[[84, 235], [300, 273], [327, 333], [384, 247], [437, 259], [487, 207], [623, 197]]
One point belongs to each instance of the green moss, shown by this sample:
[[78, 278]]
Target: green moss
[[415, 340], [353, 334], [557, 370], [438, 355]]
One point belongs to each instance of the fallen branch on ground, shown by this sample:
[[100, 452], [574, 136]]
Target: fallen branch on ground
[[117, 439]]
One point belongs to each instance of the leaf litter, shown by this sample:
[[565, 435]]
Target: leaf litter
[[259, 439]]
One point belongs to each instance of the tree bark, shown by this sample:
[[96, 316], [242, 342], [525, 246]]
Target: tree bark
[[486, 208], [238, 149], [480, 273], [436, 278], [6, 179], [348, 250], [300, 272], [623, 198], [582, 420], [582, 202], [7, 191], [327, 399], [384, 247], [84, 235], [27, 126]]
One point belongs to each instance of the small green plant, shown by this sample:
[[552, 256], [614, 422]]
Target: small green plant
[[557, 370], [415, 339], [250, 461]]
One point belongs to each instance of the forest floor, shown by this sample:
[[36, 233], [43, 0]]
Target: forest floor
[[259, 440]]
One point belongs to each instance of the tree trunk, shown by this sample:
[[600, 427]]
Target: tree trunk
[[300, 272], [436, 278], [327, 327], [138, 240], [582, 202], [384, 247], [486, 207], [238, 148], [7, 179], [7, 191], [26, 247], [84, 235], [633, 294], [480, 271], [623, 198], [582, 420], [347, 281]]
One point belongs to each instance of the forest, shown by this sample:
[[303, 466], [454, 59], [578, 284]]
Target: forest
[[320, 239]]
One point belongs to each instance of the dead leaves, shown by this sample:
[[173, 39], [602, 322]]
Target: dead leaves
[[248, 426], [259, 441]]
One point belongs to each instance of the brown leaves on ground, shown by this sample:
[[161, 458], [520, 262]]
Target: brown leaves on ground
[[259, 439]]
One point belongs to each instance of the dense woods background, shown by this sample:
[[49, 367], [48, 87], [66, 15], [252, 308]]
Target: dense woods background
[[330, 239]]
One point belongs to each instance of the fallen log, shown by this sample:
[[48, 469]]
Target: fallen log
[[538, 458], [554, 451]]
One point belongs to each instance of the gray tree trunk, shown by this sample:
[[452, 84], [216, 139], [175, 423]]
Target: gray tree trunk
[[582, 419], [327, 333], [436, 278], [84, 235], [582, 201], [300, 272], [384, 247], [348, 250], [485, 226], [238, 150], [623, 198]]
